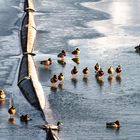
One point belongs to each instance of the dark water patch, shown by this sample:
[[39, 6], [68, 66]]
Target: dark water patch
[[22, 133], [129, 100], [73, 107]]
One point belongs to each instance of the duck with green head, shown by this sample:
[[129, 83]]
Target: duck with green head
[[56, 127]]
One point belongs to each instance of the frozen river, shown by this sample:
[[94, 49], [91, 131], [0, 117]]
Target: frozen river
[[105, 32]]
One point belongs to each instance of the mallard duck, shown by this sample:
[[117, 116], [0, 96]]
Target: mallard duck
[[57, 127], [118, 69], [49, 61], [76, 52], [100, 73], [54, 79], [46, 63], [12, 110], [85, 71], [2, 94], [25, 118], [97, 67], [110, 70], [115, 124], [74, 70], [76, 60], [61, 77], [62, 54]]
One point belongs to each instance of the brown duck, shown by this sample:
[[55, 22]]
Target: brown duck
[[110, 70], [12, 110], [61, 77], [54, 79], [85, 71], [76, 51], [74, 70], [118, 69]]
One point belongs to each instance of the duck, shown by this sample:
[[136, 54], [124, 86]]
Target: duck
[[110, 70], [62, 54], [54, 79], [25, 118], [115, 124], [2, 94], [74, 70], [49, 61], [76, 52], [61, 77], [46, 63], [118, 69], [100, 73], [12, 110], [97, 67], [56, 127], [85, 71]]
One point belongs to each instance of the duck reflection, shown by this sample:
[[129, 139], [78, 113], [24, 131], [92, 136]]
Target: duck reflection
[[74, 82], [76, 60], [53, 89], [61, 62], [61, 86], [118, 79], [12, 120], [110, 79], [85, 80], [2, 102], [99, 81]]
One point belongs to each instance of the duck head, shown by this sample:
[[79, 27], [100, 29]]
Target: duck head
[[117, 122]]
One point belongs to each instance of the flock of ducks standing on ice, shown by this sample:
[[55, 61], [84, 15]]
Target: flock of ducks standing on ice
[[54, 80], [74, 72]]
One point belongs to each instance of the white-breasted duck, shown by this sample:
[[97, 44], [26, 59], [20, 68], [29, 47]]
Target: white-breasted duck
[[56, 127], [118, 69], [2, 94], [115, 124], [110, 70], [97, 67], [12, 110]]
